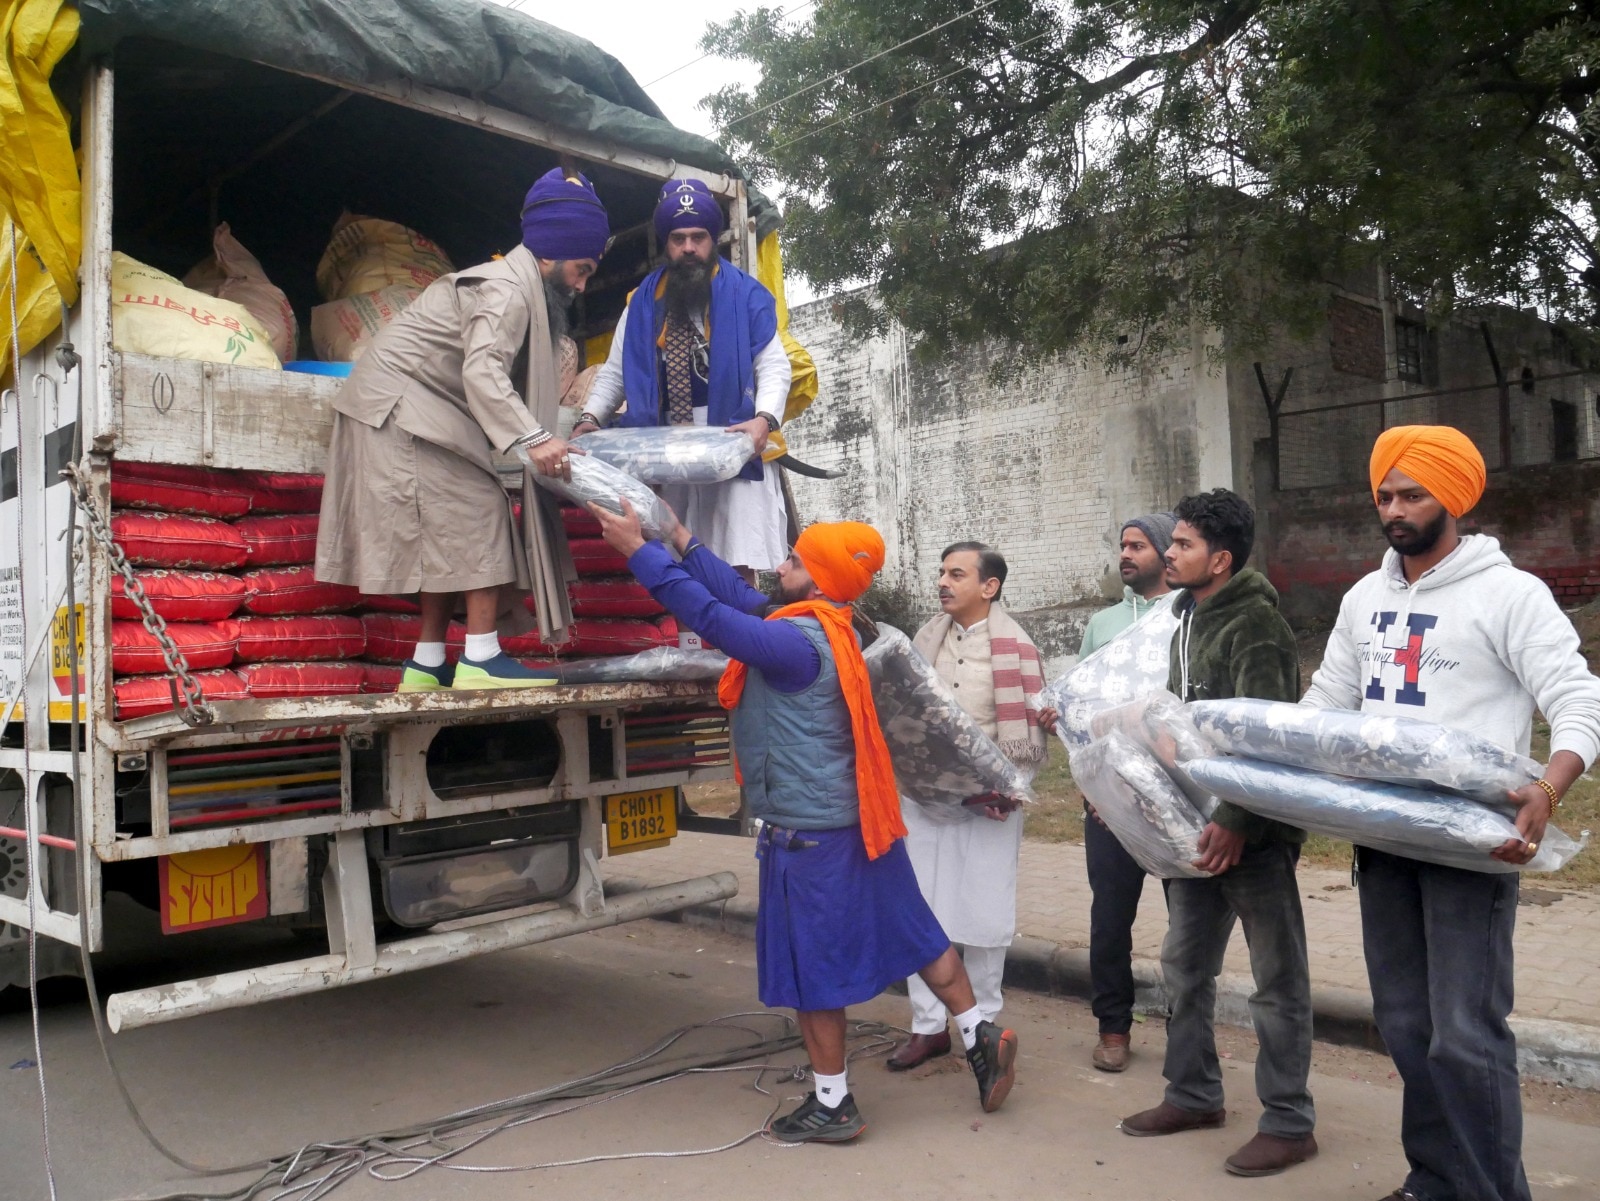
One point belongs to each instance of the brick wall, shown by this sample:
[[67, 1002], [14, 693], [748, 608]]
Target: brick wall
[[1547, 519]]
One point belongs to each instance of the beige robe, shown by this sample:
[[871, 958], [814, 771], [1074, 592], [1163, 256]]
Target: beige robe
[[442, 372]]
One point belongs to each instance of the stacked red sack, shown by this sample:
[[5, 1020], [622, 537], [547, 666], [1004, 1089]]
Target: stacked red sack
[[225, 557]]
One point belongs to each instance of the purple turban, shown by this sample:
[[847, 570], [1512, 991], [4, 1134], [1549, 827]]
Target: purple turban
[[563, 219], [687, 204]]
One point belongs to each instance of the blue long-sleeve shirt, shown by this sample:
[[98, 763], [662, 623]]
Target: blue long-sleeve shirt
[[713, 600]]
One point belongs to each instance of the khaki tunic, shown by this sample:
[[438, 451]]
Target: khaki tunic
[[412, 500]]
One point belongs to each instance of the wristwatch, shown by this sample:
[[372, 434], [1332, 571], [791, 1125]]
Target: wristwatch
[[772, 423]]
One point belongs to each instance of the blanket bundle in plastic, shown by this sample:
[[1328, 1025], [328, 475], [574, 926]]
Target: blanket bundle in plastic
[[1413, 822], [1130, 665], [608, 486], [1140, 803], [1370, 746], [672, 454], [942, 757], [1395, 784]]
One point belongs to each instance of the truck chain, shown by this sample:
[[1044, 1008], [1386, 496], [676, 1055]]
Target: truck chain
[[194, 709]]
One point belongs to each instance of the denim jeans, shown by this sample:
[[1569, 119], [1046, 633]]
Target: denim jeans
[[1262, 894], [1438, 946], [1116, 883]]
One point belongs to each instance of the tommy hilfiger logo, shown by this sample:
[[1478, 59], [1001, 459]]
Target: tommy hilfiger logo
[[1399, 654]]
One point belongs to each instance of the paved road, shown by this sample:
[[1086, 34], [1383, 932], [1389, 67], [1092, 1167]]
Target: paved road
[[238, 1085]]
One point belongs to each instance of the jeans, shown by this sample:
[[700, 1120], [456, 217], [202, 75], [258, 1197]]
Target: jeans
[[1116, 883], [986, 967], [1438, 946], [1262, 893]]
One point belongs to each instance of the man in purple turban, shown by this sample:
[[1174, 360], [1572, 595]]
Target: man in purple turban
[[698, 344], [412, 502]]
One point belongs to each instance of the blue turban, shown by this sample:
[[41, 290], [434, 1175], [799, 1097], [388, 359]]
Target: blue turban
[[687, 204], [563, 218]]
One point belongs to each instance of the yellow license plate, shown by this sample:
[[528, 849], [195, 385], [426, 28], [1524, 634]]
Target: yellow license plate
[[637, 821]]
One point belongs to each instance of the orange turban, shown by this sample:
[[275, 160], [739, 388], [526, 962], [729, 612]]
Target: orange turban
[[842, 557], [1442, 459]]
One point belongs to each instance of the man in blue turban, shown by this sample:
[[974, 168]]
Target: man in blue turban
[[412, 502], [698, 344]]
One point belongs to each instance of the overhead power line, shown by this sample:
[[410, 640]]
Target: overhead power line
[[784, 15], [909, 91], [871, 58]]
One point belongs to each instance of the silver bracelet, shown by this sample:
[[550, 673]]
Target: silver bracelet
[[538, 438]]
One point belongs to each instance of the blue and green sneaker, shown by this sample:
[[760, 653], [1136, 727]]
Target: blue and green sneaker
[[417, 678], [502, 671]]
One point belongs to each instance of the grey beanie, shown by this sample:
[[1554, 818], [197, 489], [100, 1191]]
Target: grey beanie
[[1157, 527]]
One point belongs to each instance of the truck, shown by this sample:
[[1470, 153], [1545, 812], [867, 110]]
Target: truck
[[405, 829]]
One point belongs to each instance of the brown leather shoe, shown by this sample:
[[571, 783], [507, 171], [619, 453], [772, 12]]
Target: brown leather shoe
[[1111, 1053], [918, 1049], [1269, 1154], [1169, 1119]]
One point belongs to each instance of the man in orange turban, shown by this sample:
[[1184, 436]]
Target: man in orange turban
[[841, 916], [1446, 630]]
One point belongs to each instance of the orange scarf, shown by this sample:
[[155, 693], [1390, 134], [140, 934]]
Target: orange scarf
[[881, 822]]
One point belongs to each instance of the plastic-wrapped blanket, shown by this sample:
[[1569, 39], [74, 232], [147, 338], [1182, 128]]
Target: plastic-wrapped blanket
[[1141, 805], [662, 663], [1159, 724], [608, 486], [942, 757], [1369, 746], [672, 454], [1433, 827], [1130, 665]]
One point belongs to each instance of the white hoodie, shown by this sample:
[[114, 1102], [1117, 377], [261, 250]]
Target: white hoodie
[[1474, 644]]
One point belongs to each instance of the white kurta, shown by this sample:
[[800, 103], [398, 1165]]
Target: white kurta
[[743, 522], [968, 869]]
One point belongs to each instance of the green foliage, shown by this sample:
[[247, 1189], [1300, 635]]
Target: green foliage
[[1095, 176]]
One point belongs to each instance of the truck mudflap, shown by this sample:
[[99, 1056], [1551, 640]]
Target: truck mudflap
[[361, 959]]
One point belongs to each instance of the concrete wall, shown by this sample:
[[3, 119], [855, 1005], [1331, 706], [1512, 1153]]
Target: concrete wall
[[1045, 466]]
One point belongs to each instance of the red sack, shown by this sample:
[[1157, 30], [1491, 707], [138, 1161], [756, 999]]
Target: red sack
[[286, 590], [579, 523], [173, 540], [391, 637], [267, 680], [592, 637], [135, 651], [182, 595], [380, 677], [389, 604], [282, 491], [170, 489], [280, 541], [290, 639], [591, 556], [140, 696], [618, 597]]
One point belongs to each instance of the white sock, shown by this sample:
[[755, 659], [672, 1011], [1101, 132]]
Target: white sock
[[831, 1090], [967, 1023], [482, 646], [428, 654]]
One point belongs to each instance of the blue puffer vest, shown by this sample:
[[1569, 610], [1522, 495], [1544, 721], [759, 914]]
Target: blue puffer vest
[[796, 750]]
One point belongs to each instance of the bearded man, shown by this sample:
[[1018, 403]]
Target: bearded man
[[1447, 630], [412, 502], [698, 345], [840, 916]]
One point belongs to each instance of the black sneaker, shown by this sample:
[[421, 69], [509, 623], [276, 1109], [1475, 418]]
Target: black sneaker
[[813, 1122], [994, 1062]]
